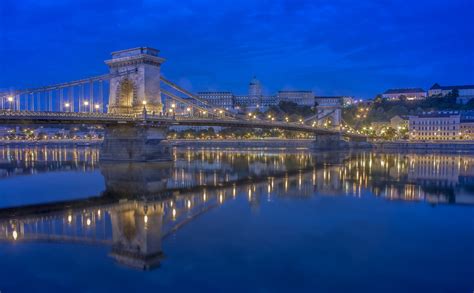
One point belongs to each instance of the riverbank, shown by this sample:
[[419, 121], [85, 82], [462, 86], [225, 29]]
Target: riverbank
[[448, 146], [251, 143], [54, 142]]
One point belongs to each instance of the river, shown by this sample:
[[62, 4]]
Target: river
[[268, 220]]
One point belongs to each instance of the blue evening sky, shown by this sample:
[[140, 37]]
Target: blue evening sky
[[332, 47]]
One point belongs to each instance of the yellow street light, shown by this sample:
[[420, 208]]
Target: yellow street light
[[67, 105], [144, 103], [86, 103], [96, 106], [173, 105], [10, 98]]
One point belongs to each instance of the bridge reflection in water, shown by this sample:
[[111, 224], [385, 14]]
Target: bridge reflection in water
[[143, 203]]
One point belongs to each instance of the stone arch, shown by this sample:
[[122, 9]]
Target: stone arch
[[126, 93]]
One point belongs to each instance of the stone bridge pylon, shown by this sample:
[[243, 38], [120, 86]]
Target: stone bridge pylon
[[135, 89], [135, 81]]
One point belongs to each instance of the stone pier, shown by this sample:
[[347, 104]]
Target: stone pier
[[328, 142], [135, 143]]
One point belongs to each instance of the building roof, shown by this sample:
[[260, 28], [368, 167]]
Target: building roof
[[436, 86], [404, 91], [437, 114]]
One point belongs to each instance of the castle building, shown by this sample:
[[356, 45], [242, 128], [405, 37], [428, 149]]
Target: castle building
[[409, 93], [303, 98], [223, 100], [255, 99], [465, 92]]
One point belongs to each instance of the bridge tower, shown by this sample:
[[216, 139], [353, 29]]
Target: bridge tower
[[328, 111], [135, 81], [135, 87], [136, 234]]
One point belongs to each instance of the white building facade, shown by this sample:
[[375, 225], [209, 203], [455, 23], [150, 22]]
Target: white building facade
[[303, 98], [465, 92], [224, 100], [444, 125], [255, 99], [409, 93]]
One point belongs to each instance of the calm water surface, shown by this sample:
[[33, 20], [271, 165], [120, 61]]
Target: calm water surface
[[227, 220]]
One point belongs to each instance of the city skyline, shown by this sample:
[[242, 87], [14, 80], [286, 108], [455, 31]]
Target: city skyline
[[312, 49]]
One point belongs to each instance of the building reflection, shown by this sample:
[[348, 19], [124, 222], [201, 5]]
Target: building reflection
[[145, 202]]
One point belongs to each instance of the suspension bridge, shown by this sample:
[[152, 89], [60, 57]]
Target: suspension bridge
[[138, 108]]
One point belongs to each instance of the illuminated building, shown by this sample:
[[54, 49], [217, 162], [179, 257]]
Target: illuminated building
[[409, 93], [443, 125]]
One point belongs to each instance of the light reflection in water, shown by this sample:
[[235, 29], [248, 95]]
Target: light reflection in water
[[144, 203]]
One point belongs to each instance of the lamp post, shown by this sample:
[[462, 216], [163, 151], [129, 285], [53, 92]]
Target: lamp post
[[86, 103], [97, 107], [67, 106], [10, 103]]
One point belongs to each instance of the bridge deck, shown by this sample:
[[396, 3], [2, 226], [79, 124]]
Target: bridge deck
[[29, 117]]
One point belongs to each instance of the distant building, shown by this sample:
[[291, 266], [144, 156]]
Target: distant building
[[255, 99], [444, 125], [399, 122], [396, 122], [268, 101], [467, 125], [223, 100], [409, 93], [347, 101], [465, 92], [255, 87], [303, 98]]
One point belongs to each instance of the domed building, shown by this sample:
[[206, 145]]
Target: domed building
[[255, 87]]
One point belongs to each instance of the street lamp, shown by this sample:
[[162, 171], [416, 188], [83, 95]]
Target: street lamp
[[96, 106], [67, 105], [86, 103], [10, 101]]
